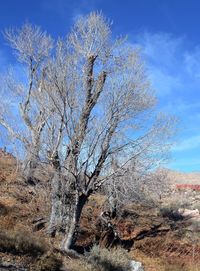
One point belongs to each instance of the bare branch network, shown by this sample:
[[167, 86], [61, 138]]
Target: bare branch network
[[85, 107]]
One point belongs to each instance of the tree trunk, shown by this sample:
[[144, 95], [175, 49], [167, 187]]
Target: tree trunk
[[66, 209], [31, 165], [73, 219], [56, 205]]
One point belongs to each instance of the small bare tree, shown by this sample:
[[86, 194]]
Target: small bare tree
[[159, 185], [92, 101], [32, 47], [136, 184]]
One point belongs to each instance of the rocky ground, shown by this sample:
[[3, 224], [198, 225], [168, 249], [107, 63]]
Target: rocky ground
[[161, 237]]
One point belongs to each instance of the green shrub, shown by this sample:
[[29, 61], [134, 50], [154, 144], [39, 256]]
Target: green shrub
[[20, 243], [103, 259]]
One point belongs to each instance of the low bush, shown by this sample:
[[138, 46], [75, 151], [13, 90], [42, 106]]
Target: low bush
[[103, 259], [3, 209], [47, 262], [171, 213], [79, 265], [20, 243], [181, 267]]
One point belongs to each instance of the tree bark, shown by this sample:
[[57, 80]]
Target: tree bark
[[74, 216], [56, 205], [31, 165], [58, 196]]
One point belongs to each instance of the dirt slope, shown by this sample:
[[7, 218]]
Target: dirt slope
[[149, 235]]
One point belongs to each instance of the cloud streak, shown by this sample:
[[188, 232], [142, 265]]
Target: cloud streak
[[174, 69], [190, 143]]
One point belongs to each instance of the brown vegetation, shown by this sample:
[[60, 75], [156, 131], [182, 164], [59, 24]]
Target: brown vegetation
[[150, 236]]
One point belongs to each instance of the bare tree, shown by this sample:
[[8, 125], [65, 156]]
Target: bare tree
[[136, 184], [32, 47], [94, 102], [159, 185]]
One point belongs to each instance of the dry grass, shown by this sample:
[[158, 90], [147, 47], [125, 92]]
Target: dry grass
[[162, 264], [8, 169], [33, 250], [47, 262], [101, 259], [78, 265], [178, 267], [20, 204], [20, 242], [109, 260]]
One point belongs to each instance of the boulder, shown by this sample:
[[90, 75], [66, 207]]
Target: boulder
[[186, 213], [136, 266]]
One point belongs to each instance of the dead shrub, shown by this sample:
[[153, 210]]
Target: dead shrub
[[171, 213], [3, 209], [20, 243], [47, 262], [79, 265], [8, 222], [103, 259], [180, 267]]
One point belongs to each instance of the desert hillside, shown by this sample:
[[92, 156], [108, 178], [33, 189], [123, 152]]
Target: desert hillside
[[159, 237], [185, 178]]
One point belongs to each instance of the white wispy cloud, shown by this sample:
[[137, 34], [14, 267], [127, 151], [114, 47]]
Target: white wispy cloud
[[172, 66], [164, 82], [160, 48], [192, 62], [190, 143], [174, 70]]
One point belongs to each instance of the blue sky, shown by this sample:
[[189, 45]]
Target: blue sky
[[166, 30]]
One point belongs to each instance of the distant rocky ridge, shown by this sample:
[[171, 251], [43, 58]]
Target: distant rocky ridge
[[185, 177], [188, 186]]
